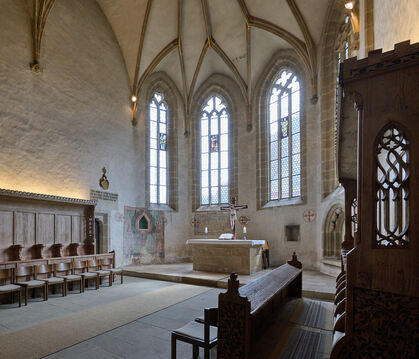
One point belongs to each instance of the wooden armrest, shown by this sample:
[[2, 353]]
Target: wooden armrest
[[211, 316]]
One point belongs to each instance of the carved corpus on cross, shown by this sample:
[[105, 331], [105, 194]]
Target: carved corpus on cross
[[233, 208]]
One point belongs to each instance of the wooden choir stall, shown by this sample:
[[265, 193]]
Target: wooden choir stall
[[377, 297], [44, 236]]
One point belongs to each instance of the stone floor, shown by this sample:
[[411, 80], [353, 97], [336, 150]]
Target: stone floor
[[13, 318], [316, 285], [146, 338]]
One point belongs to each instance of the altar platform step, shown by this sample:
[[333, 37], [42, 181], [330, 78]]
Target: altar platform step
[[316, 285]]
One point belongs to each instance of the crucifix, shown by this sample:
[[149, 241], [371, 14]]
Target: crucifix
[[233, 208]]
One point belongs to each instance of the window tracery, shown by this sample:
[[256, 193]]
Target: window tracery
[[214, 152], [284, 134], [158, 111]]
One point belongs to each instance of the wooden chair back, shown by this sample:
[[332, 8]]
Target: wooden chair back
[[79, 266], [44, 270], [25, 272], [65, 268], [93, 263], [106, 263], [6, 276]]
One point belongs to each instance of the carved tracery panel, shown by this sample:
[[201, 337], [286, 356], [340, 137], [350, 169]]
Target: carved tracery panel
[[392, 188]]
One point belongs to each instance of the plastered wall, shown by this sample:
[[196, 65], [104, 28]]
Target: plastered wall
[[59, 128], [395, 21]]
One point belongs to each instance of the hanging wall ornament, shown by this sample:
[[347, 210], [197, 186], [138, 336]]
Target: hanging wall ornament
[[103, 182]]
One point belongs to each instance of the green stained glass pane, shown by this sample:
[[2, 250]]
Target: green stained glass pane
[[284, 127]]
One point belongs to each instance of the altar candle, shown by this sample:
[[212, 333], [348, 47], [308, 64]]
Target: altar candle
[[244, 230], [206, 230]]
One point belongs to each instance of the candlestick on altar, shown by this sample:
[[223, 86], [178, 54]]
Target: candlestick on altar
[[206, 232], [244, 232]]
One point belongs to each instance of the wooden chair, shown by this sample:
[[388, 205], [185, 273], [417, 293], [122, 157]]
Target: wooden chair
[[65, 271], [108, 264], [47, 270], [80, 268], [198, 334], [94, 267], [25, 277], [6, 277]]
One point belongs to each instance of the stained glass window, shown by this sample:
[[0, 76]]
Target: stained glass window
[[284, 138], [214, 152], [158, 150]]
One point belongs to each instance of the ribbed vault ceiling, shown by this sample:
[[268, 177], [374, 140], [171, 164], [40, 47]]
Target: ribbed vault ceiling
[[191, 39]]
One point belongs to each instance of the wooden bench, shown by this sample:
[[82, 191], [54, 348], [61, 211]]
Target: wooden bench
[[242, 312]]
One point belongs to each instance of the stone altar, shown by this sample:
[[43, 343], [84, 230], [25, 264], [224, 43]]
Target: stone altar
[[226, 256]]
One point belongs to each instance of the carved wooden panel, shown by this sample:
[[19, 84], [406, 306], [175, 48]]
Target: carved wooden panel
[[62, 229], [6, 233], [392, 188], [25, 229], [76, 229], [6, 228], [385, 325], [45, 228]]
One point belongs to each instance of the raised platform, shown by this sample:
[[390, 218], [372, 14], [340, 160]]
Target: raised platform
[[316, 285]]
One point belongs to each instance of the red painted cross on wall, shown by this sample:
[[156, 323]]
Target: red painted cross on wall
[[309, 215]]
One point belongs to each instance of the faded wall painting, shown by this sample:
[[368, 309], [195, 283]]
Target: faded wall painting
[[216, 222], [144, 235]]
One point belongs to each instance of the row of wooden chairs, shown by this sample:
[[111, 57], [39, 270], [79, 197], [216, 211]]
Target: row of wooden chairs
[[340, 310], [53, 275]]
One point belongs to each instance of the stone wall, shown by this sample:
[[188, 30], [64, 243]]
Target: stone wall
[[59, 128]]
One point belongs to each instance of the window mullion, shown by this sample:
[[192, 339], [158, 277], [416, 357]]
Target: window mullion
[[158, 153], [290, 164], [279, 141], [219, 157]]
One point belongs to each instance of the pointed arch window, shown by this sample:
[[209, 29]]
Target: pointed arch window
[[158, 149], [214, 152], [284, 138]]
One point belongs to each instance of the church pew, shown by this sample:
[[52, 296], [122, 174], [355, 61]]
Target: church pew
[[243, 312]]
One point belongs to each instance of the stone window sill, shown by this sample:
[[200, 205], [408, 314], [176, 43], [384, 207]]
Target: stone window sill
[[211, 208], [160, 207], [284, 202]]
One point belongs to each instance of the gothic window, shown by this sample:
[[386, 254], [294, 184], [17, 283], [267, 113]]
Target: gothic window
[[214, 150], [284, 138], [392, 190], [158, 150]]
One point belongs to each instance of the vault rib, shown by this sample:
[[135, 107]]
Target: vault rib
[[41, 11], [140, 46], [160, 56], [249, 75], [305, 49], [182, 65], [196, 73], [205, 13], [232, 67], [311, 47]]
